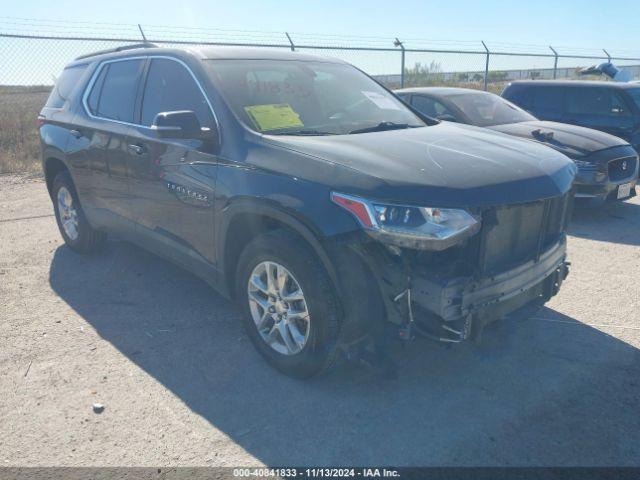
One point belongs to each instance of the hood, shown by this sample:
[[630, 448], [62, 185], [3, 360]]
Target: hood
[[443, 165], [573, 141]]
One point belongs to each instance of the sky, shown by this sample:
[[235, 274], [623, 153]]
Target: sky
[[580, 24], [570, 26]]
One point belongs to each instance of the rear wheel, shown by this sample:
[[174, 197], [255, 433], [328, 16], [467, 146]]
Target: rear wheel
[[289, 304], [72, 223]]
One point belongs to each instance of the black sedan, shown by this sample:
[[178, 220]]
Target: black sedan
[[607, 165]]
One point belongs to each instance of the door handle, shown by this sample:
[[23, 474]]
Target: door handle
[[137, 149], [76, 133]]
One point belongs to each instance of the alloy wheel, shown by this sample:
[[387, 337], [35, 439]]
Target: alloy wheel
[[68, 213], [278, 308]]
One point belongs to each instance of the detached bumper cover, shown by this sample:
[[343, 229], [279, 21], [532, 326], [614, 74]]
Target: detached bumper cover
[[455, 299]]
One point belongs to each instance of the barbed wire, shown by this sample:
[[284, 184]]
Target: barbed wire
[[65, 28]]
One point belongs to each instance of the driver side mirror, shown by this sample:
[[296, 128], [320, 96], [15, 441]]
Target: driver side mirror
[[180, 124]]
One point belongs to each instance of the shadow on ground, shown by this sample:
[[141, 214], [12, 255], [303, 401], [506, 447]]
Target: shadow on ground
[[534, 393], [620, 223]]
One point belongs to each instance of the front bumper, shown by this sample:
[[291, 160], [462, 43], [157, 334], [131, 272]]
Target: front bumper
[[598, 193], [449, 307], [599, 182], [490, 298], [517, 258]]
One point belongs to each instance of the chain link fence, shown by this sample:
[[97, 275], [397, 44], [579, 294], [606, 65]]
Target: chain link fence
[[31, 63]]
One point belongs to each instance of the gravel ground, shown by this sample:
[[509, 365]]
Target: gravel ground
[[181, 384]]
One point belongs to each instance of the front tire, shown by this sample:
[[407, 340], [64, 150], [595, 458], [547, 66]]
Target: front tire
[[289, 304], [72, 223]]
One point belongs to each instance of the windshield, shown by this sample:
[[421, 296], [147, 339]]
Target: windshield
[[486, 109], [307, 98], [635, 95]]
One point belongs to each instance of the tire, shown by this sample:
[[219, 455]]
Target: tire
[[83, 238], [320, 350]]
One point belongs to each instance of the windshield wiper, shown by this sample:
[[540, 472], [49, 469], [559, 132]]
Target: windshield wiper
[[304, 132], [382, 126]]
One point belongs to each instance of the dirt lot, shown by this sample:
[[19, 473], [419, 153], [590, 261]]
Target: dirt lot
[[182, 385]]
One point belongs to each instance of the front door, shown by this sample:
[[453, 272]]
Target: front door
[[172, 180]]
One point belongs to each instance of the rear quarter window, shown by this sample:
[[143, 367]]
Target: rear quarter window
[[64, 86], [516, 94]]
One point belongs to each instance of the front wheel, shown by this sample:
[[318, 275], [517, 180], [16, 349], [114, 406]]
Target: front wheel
[[74, 227], [290, 307]]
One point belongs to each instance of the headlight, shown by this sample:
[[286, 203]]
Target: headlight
[[422, 228], [589, 172], [586, 166]]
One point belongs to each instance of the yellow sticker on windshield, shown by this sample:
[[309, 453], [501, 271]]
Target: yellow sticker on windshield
[[273, 116]]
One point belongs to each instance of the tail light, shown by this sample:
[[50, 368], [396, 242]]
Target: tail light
[[40, 121]]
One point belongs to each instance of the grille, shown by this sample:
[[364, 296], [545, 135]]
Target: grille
[[515, 234], [617, 171]]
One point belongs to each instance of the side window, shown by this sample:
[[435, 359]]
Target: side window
[[114, 93], [619, 107], [588, 101], [94, 96], [546, 100], [64, 86], [170, 87], [428, 106], [635, 96]]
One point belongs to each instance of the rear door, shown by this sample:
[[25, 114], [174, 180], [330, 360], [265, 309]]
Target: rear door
[[110, 103], [173, 179], [58, 130], [601, 108]]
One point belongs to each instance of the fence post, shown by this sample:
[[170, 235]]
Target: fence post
[[555, 62], [486, 66], [398, 43], [293, 47], [144, 37]]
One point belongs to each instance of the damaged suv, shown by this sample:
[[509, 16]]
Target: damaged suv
[[334, 214]]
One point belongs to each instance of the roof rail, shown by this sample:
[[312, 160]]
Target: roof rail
[[119, 49]]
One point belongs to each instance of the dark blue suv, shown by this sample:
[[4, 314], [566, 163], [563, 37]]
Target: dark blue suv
[[330, 211], [608, 106]]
